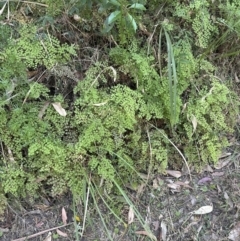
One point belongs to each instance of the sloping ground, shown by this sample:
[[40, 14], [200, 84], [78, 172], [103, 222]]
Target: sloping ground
[[166, 206], [166, 203]]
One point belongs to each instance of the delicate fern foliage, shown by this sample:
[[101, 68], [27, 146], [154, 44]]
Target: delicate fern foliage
[[197, 13], [214, 116]]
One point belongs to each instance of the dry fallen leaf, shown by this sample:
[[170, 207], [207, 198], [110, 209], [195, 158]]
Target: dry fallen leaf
[[176, 174], [208, 168], [217, 174], [114, 73], [164, 231], [184, 184], [193, 200], [40, 224], [60, 110], [225, 154], [140, 189], [228, 200], [235, 233], [236, 78], [174, 186], [64, 216], [2, 9], [130, 215], [101, 104], [203, 210], [61, 233], [186, 230], [155, 183], [222, 163], [155, 225], [194, 123], [149, 234], [49, 237], [43, 110], [204, 180]]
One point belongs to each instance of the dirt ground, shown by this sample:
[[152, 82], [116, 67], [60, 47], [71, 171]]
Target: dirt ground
[[166, 205]]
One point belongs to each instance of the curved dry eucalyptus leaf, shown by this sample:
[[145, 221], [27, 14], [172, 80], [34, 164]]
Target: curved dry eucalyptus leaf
[[114, 73], [176, 174], [60, 110], [59, 232], [64, 216], [155, 225], [217, 174], [155, 183], [222, 163], [164, 231], [184, 184], [228, 200], [49, 237], [208, 168], [42, 111], [235, 233], [174, 186], [2, 9], [149, 234], [225, 154], [101, 104], [194, 123], [204, 180], [203, 210], [130, 215]]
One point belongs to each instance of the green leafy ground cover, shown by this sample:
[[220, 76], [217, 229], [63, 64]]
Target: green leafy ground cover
[[140, 83]]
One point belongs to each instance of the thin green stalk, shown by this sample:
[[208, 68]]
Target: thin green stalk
[[111, 210], [172, 80], [137, 214], [92, 190]]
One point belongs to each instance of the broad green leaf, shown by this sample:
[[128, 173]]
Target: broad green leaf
[[104, 7], [137, 6], [83, 2], [113, 17], [115, 2], [132, 21], [107, 27]]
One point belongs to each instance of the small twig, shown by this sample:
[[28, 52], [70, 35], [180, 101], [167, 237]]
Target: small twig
[[29, 2], [42, 232]]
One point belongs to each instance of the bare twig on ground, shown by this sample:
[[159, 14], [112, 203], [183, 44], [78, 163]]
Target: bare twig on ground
[[42, 232]]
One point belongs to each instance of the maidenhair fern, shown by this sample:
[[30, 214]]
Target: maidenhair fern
[[213, 116], [197, 14]]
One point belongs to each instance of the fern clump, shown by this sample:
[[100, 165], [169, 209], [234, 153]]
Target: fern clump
[[104, 118], [213, 114], [197, 14], [120, 122], [154, 91], [34, 48]]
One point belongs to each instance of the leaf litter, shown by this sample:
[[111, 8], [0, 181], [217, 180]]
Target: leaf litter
[[173, 207]]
